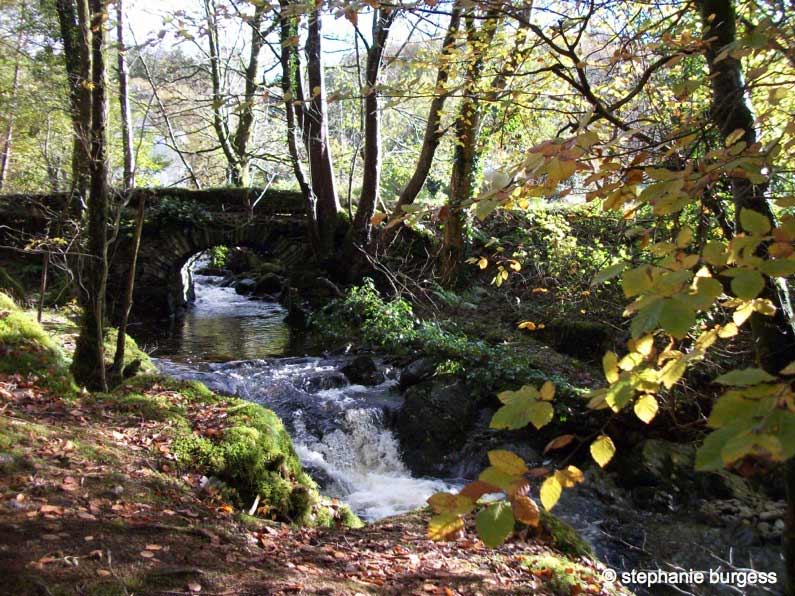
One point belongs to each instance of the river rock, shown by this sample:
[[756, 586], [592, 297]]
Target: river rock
[[214, 271], [417, 371], [245, 286], [433, 422], [362, 370], [270, 283]]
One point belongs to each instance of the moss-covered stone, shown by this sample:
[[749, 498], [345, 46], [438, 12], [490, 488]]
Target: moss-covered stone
[[253, 454], [564, 537], [132, 353], [561, 575], [26, 349]]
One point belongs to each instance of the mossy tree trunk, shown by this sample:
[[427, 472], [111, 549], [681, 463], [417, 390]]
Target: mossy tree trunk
[[75, 26], [88, 366], [433, 128], [293, 92], [465, 154], [124, 101], [774, 337]]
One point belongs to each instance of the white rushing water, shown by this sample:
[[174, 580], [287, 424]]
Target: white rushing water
[[339, 430], [362, 458]]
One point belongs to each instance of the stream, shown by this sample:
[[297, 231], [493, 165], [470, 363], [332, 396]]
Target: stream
[[341, 432], [240, 346]]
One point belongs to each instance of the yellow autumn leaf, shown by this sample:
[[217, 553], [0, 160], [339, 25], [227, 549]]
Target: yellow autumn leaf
[[602, 450], [550, 492], [441, 527], [646, 408], [610, 367], [547, 391], [569, 476], [507, 462]]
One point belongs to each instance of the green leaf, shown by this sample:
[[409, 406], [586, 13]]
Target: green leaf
[[608, 273], [647, 318], [778, 268], [745, 377], [783, 423], [603, 450], [708, 456], [495, 523], [748, 284], [754, 222], [637, 281], [676, 317], [733, 405], [520, 413], [715, 253], [619, 394]]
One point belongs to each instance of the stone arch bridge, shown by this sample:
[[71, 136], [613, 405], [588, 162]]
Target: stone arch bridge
[[179, 224]]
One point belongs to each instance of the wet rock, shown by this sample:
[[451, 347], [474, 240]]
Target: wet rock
[[132, 369], [323, 382], [245, 286], [417, 371], [297, 313], [271, 267], [363, 371], [270, 283], [433, 422], [213, 271]]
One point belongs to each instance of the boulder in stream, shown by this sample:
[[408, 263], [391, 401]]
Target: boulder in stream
[[417, 371], [363, 370], [433, 423], [245, 286]]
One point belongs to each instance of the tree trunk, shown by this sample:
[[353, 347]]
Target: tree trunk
[[124, 101], [76, 36], [88, 366], [382, 21], [292, 93], [465, 154], [433, 128], [774, 336], [220, 123], [117, 370], [5, 159], [321, 168], [245, 124]]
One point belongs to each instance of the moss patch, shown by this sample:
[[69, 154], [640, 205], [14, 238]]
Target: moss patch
[[564, 537], [242, 447], [562, 576], [132, 352], [26, 349]]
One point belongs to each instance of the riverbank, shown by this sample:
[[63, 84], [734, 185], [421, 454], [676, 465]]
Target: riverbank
[[95, 501]]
